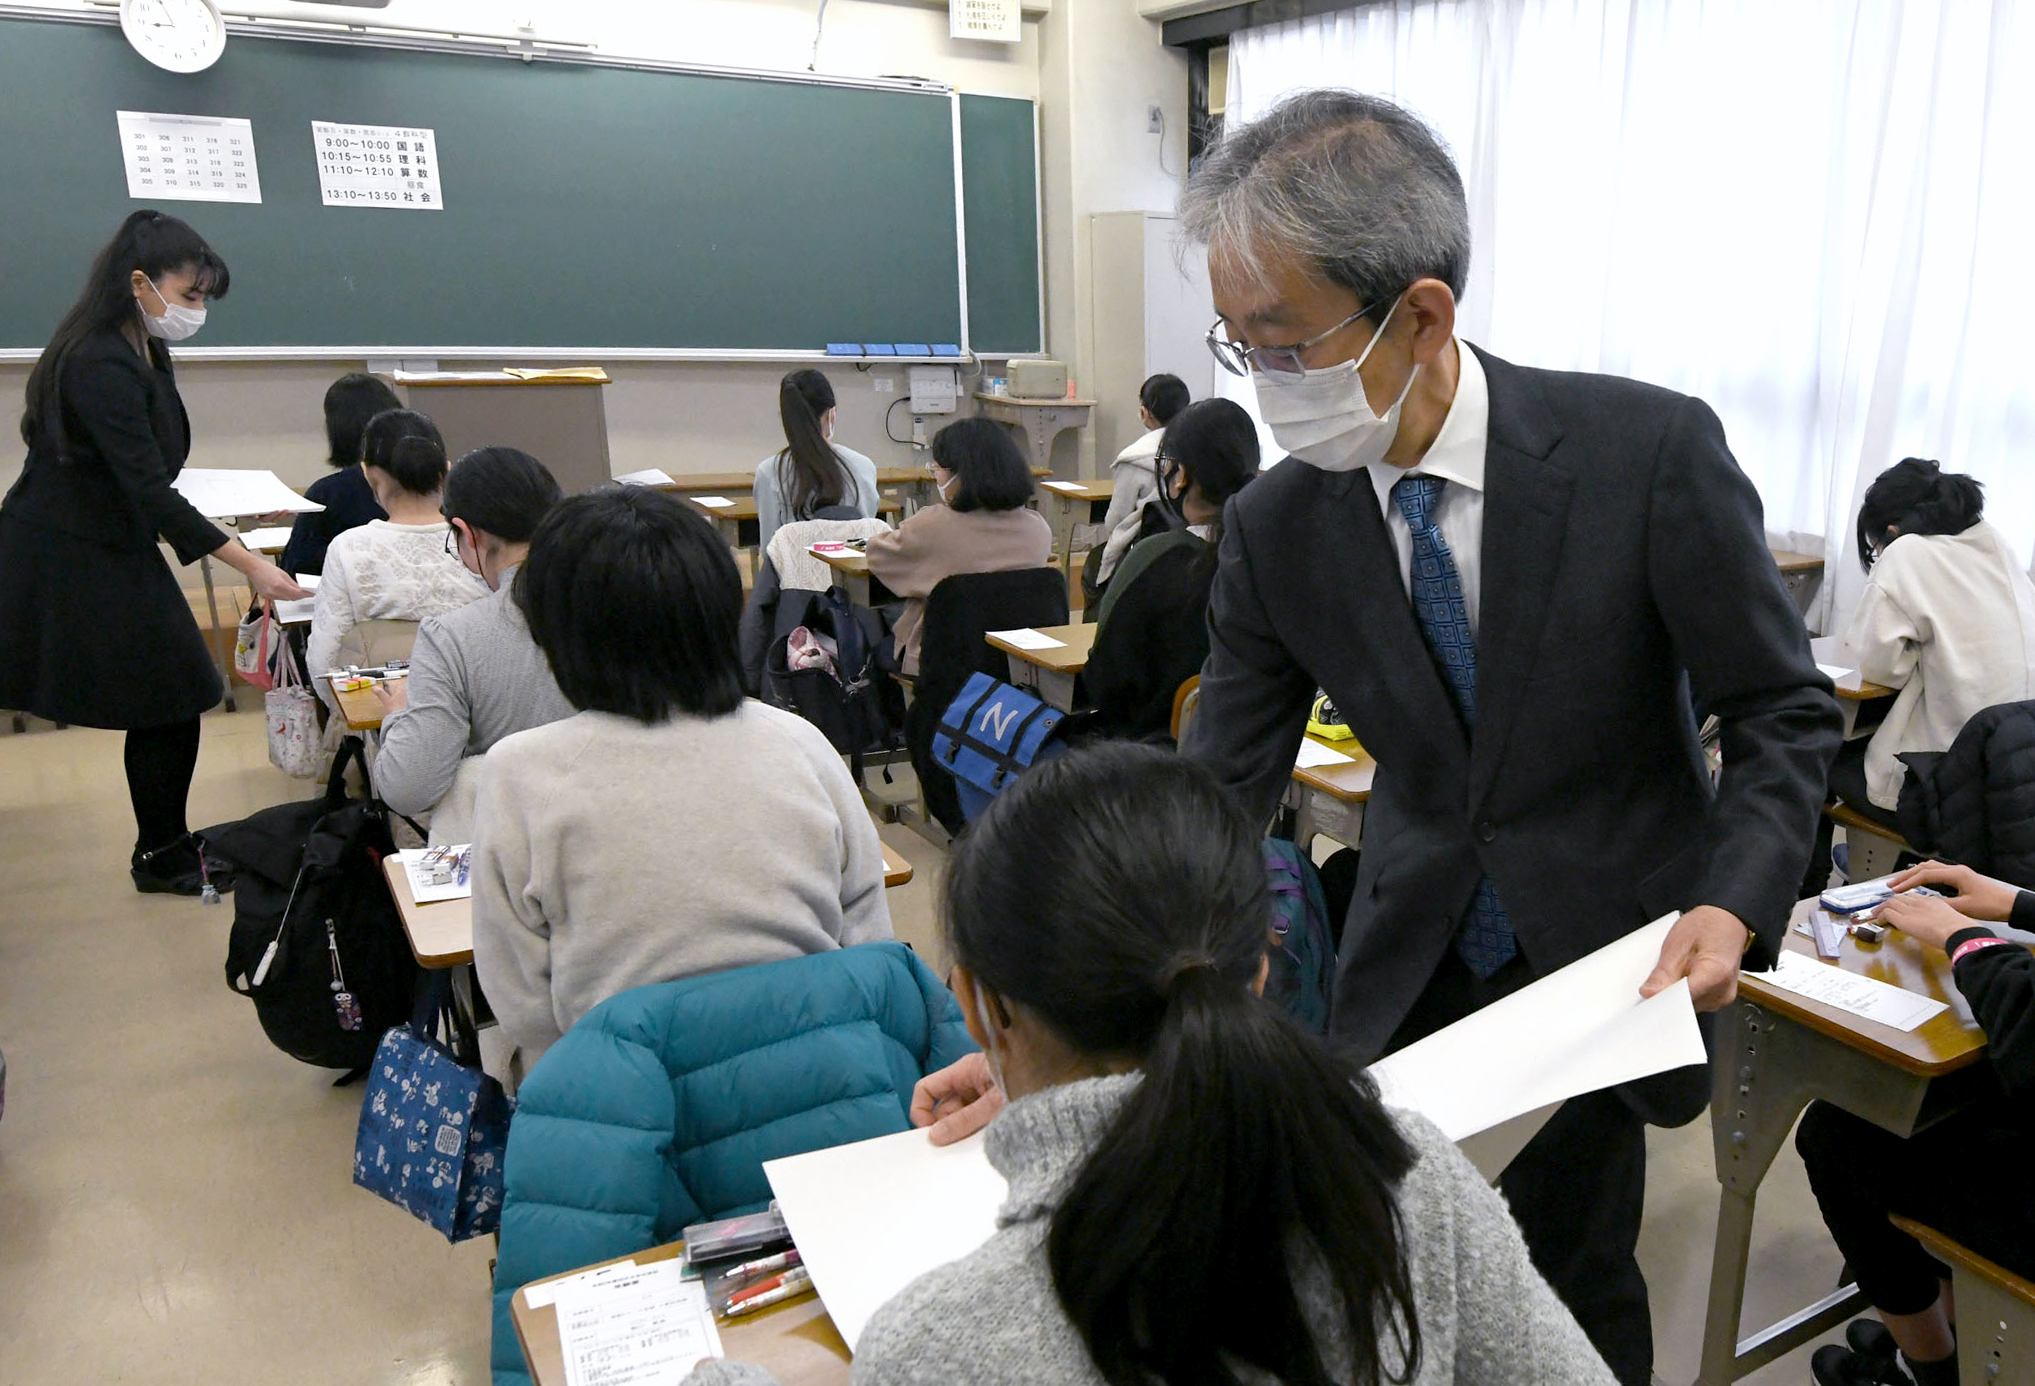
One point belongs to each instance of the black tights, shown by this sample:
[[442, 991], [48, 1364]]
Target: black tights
[[160, 764]]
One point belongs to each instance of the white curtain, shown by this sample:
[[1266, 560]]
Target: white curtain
[[1818, 216]]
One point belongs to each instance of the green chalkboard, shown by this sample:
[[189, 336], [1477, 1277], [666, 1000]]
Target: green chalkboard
[[1000, 204], [585, 205]]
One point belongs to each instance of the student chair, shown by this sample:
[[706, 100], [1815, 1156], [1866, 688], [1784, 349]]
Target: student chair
[[1186, 702], [373, 643], [959, 611], [1995, 1311], [658, 1109]]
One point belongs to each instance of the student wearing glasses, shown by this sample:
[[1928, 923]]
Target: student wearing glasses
[[399, 569], [1519, 587]]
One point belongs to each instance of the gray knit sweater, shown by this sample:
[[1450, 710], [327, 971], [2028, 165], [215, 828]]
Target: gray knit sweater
[[1486, 1316]]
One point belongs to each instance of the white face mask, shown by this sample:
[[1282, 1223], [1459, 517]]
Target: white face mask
[[177, 321], [1324, 418], [988, 1054]]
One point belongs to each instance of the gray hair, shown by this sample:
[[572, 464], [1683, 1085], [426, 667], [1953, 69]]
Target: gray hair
[[1357, 187]]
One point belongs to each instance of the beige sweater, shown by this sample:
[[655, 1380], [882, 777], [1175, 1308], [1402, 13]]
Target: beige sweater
[[609, 855], [940, 542], [1949, 619]]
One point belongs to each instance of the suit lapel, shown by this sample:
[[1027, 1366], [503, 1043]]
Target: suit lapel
[[1526, 508]]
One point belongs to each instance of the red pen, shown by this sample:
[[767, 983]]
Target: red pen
[[776, 1288]]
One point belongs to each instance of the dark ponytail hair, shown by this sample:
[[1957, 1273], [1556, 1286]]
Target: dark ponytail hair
[[406, 445], [147, 241], [810, 475], [1916, 496], [500, 491], [1215, 445], [1247, 1144]]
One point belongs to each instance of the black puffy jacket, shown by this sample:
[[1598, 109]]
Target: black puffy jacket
[[1975, 803]]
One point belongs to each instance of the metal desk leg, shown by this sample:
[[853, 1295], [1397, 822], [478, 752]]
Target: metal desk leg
[[465, 1035], [212, 606], [1767, 1069]]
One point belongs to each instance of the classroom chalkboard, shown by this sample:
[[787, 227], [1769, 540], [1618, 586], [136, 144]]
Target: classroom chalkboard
[[585, 206], [1000, 206]]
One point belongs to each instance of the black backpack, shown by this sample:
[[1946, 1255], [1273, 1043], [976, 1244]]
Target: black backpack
[[858, 706], [317, 943]]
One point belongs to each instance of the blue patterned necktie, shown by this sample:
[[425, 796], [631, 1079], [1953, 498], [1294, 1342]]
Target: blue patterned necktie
[[1485, 941]]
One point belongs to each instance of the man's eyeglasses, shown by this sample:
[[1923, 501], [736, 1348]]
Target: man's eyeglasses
[[1239, 359]]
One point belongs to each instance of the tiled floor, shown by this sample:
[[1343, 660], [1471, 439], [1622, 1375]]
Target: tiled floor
[[175, 1196]]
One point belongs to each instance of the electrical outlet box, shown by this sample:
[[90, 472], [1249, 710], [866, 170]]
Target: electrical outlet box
[[884, 384], [918, 431], [1155, 120], [934, 389]]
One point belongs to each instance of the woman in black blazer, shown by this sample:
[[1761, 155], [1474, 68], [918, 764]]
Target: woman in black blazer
[[94, 628]]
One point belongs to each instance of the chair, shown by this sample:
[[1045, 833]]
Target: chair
[[1876, 849], [1186, 702], [959, 611], [374, 643], [1995, 1311], [658, 1109]]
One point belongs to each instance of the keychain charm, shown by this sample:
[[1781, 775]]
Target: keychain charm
[[343, 1001]]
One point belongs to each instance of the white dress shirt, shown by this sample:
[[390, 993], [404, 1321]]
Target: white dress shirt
[[1457, 457]]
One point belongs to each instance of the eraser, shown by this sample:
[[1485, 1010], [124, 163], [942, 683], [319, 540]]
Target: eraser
[[946, 349], [913, 349], [844, 348], [878, 349]]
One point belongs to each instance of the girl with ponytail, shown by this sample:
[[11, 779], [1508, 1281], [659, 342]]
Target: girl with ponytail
[[812, 477], [1200, 1191], [1947, 617]]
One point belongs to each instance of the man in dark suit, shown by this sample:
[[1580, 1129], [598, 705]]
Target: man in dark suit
[[1521, 588]]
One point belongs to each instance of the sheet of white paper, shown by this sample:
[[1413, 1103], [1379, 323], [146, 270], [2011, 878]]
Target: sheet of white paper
[[1064, 485], [218, 492], [713, 502], [1847, 991], [188, 158], [425, 894], [377, 166], [1572, 1032], [537, 1296], [649, 476], [296, 612], [872, 1217], [641, 1328], [268, 537], [402, 377], [1029, 639], [1834, 672], [1313, 753]]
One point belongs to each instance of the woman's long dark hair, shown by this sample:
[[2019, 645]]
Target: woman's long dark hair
[[1916, 496], [810, 475], [1247, 1145], [1215, 445], [350, 402], [147, 241]]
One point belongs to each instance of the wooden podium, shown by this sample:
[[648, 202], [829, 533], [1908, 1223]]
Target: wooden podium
[[562, 421]]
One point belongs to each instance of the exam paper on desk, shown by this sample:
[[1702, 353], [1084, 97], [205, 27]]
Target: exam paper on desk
[[1312, 754], [1848, 991], [636, 1327], [1574, 1031], [1029, 639], [220, 492], [649, 476]]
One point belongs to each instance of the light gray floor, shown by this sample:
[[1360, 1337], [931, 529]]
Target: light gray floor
[[175, 1195]]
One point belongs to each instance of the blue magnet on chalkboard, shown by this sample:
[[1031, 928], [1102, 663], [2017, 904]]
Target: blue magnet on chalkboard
[[878, 349], [913, 349], [946, 349], [844, 348]]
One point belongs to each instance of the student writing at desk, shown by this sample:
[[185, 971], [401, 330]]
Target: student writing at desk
[[1961, 1176], [1153, 632], [1200, 1190], [669, 827], [813, 472], [983, 527], [94, 629], [349, 501], [1517, 586], [476, 676], [398, 569]]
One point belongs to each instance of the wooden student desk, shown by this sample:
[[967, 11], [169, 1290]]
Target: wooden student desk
[[1051, 673], [1854, 691], [1329, 800], [359, 708], [1802, 572], [1071, 499], [1776, 1053], [795, 1340], [737, 521], [851, 570]]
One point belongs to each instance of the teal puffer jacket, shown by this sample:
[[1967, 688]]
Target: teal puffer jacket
[[658, 1109]]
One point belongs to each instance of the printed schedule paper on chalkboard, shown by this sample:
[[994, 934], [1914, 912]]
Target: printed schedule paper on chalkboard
[[188, 158], [377, 166]]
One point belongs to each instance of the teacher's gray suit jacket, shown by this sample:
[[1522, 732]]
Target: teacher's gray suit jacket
[[1627, 590]]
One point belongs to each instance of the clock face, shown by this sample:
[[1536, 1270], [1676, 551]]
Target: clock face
[[179, 35]]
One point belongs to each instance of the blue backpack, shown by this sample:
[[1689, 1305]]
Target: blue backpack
[[989, 735], [1303, 953]]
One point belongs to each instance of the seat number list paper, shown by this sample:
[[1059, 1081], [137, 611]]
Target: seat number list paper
[[635, 1326], [377, 166], [188, 158]]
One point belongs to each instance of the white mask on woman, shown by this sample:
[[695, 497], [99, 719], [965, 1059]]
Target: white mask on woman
[[176, 323], [1324, 418]]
